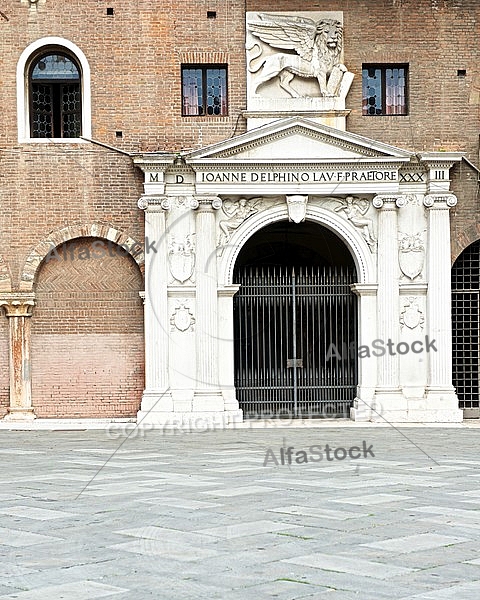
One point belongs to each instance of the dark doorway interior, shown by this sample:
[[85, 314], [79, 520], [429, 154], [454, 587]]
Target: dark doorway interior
[[295, 323]]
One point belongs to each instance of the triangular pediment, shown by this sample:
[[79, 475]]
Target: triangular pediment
[[299, 139]]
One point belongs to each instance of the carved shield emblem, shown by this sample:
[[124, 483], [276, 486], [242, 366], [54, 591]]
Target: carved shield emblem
[[411, 262], [182, 319], [297, 208], [182, 265], [181, 257], [411, 317]]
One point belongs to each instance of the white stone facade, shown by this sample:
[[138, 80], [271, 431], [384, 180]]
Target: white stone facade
[[389, 206]]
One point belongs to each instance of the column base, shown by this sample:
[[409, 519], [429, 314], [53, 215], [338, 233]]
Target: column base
[[208, 400], [439, 405], [391, 406], [20, 414], [156, 401]]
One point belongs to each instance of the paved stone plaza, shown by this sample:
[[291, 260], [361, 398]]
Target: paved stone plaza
[[197, 515]]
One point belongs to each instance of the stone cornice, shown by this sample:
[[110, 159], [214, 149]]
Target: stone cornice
[[440, 159]]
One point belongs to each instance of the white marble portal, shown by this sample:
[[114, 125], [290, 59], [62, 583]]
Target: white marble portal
[[389, 206]]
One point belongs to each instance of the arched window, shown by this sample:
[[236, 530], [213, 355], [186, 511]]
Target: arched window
[[53, 92], [55, 97]]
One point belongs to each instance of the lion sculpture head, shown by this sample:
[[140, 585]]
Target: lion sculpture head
[[329, 41]]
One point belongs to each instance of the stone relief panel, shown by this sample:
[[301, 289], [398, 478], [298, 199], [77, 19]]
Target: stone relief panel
[[411, 315], [236, 211], [355, 210], [182, 318], [181, 257], [295, 55], [411, 254]]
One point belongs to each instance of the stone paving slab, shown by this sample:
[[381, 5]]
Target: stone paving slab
[[185, 516]]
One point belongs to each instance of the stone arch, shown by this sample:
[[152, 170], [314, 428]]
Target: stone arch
[[22, 84], [87, 348], [465, 239], [359, 249], [5, 278], [60, 236]]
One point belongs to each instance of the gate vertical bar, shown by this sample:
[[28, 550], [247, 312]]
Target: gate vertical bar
[[294, 327]]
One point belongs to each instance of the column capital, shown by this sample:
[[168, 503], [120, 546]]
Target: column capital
[[388, 202], [17, 304], [207, 202], [440, 201], [154, 203]]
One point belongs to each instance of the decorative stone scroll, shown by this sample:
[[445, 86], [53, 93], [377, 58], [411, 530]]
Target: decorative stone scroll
[[149, 201]]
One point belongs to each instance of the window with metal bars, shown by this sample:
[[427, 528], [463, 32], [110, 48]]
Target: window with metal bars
[[384, 90], [204, 90], [55, 97], [465, 327]]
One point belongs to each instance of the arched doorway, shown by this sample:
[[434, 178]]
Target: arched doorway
[[465, 329], [295, 323]]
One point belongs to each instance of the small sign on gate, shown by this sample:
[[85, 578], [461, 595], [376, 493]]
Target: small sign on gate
[[294, 362]]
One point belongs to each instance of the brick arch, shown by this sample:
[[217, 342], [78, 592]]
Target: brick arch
[[5, 278], [87, 348], [60, 236], [465, 239]]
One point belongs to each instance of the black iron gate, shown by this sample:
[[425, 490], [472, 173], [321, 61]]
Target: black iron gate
[[466, 329], [295, 341]]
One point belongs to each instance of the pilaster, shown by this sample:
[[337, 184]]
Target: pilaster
[[18, 308], [440, 393], [207, 393], [388, 395], [156, 396]]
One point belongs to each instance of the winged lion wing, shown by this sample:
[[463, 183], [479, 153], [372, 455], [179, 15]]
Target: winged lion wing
[[288, 33]]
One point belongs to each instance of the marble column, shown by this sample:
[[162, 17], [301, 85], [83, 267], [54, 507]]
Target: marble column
[[207, 396], [156, 399], [389, 399], [440, 392], [18, 308]]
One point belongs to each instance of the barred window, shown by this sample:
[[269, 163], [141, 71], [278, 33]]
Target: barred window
[[204, 90], [55, 97], [384, 90]]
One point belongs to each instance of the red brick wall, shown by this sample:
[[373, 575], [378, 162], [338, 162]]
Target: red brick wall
[[135, 59], [87, 335], [4, 367]]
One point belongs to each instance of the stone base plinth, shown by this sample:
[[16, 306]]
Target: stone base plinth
[[190, 421], [20, 414]]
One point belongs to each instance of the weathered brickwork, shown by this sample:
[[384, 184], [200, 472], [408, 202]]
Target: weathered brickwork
[[87, 326]]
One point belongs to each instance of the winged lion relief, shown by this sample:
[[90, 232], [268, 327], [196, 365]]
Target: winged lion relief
[[314, 51]]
